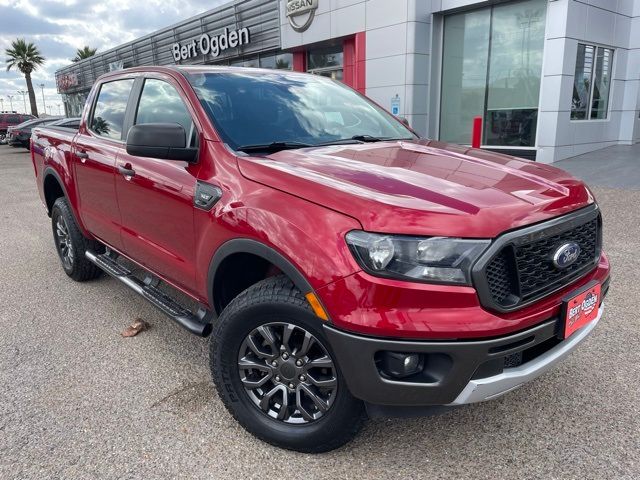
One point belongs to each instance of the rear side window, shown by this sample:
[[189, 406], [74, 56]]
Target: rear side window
[[161, 103], [111, 105]]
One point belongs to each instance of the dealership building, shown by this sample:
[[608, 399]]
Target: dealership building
[[551, 79]]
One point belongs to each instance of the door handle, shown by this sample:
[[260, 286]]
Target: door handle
[[82, 155], [126, 170]]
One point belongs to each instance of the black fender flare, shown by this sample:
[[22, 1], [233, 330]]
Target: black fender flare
[[50, 172], [247, 245]]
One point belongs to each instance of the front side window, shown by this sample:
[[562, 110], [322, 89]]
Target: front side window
[[160, 102], [111, 105], [257, 109], [592, 83]]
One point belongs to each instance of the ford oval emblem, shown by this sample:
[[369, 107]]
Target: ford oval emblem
[[566, 255]]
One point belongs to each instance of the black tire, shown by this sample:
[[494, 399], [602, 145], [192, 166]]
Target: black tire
[[78, 266], [276, 299]]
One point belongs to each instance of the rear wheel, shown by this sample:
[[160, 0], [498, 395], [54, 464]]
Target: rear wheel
[[71, 244], [276, 374]]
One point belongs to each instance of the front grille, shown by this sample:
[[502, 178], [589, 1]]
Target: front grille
[[501, 281], [535, 267], [519, 268]]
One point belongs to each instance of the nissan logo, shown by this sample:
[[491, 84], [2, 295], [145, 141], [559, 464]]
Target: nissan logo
[[300, 13], [566, 255]]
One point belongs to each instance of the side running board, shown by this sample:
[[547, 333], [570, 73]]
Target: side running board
[[196, 323]]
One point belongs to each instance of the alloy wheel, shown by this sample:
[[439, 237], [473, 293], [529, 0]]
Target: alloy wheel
[[63, 240], [287, 373]]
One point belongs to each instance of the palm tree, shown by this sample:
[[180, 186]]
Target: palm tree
[[84, 52], [25, 57]]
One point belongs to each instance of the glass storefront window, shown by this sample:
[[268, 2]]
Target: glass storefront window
[[464, 73], [267, 61], [582, 82], [251, 62], [492, 65], [327, 62], [284, 61], [591, 83], [281, 61], [515, 69]]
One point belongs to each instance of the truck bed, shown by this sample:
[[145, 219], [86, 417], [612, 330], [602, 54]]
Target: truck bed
[[51, 147]]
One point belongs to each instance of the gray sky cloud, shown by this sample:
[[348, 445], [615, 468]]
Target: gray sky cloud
[[59, 27]]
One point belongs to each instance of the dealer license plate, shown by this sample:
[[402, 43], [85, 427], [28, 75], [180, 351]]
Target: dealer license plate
[[580, 308]]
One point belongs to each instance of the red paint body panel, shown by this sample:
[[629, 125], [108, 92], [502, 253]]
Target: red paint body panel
[[390, 308], [301, 203], [426, 188], [94, 176]]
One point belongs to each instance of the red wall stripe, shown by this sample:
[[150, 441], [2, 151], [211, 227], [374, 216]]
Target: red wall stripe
[[354, 49], [300, 61]]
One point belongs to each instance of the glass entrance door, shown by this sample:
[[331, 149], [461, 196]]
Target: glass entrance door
[[491, 67]]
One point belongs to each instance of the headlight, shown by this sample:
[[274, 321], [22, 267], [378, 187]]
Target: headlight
[[432, 259]]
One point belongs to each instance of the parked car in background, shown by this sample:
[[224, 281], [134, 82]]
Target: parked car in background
[[11, 119], [20, 135], [73, 122]]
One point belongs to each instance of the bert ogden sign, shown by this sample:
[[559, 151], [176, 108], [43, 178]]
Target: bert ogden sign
[[211, 44]]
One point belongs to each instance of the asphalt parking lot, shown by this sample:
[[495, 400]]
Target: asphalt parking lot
[[79, 401]]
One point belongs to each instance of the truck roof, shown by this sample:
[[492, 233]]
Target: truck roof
[[198, 69]]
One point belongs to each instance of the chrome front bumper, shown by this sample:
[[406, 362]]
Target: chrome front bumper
[[491, 387]]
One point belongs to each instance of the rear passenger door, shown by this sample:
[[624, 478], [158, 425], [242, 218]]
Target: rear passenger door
[[97, 146], [156, 201]]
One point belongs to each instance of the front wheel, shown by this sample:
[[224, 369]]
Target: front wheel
[[275, 372]]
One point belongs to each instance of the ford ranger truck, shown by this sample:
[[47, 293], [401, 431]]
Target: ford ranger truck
[[342, 264]]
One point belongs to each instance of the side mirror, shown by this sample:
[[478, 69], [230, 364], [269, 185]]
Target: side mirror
[[166, 141]]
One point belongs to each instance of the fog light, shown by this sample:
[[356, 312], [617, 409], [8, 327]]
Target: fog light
[[400, 365]]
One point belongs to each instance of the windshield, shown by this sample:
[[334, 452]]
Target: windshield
[[250, 109]]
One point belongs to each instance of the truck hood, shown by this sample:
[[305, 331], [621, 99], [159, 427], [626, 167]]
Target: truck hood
[[422, 188]]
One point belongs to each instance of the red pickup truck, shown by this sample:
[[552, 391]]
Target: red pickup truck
[[343, 264]]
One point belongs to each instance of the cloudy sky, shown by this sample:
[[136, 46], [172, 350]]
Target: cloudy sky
[[59, 27]]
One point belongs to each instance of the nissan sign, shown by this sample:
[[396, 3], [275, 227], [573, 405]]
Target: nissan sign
[[300, 13]]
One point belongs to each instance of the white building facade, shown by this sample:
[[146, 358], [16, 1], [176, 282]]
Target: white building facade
[[550, 79]]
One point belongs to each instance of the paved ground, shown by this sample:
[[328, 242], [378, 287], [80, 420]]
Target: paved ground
[[79, 401], [612, 167]]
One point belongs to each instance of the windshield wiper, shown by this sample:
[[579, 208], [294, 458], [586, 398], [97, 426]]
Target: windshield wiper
[[272, 147], [360, 139], [368, 138], [343, 141]]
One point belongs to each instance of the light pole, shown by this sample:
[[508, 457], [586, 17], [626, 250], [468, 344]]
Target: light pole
[[10, 102], [59, 111], [43, 102], [2, 103], [24, 99]]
